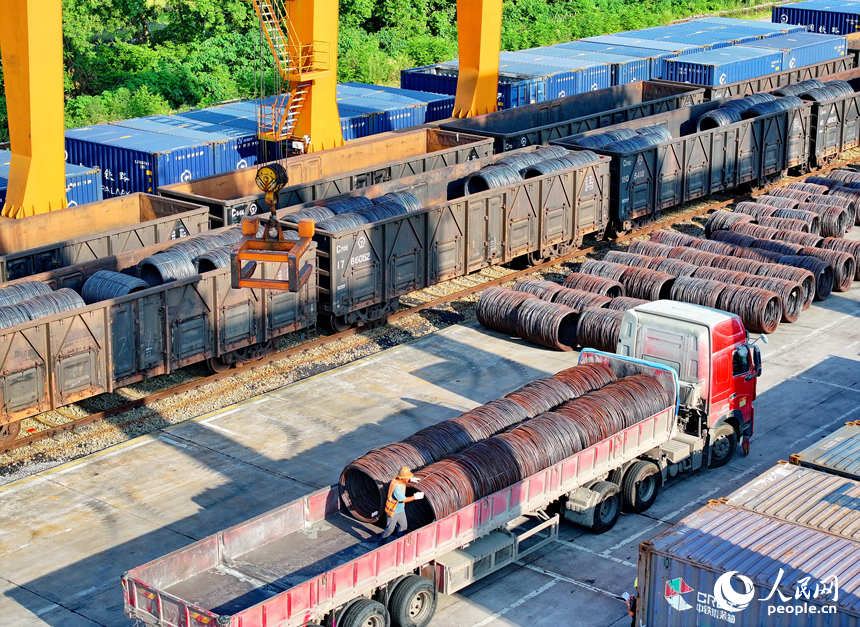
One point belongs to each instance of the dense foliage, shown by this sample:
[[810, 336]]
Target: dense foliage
[[126, 58]]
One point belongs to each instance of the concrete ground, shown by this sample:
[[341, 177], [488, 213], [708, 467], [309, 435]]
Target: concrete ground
[[66, 535]]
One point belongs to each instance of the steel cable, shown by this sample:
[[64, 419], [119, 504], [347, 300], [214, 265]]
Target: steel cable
[[544, 290], [834, 219], [797, 88], [11, 315], [757, 254], [317, 214], [844, 267], [798, 275], [348, 204], [343, 222], [213, 260], [405, 199], [692, 255], [793, 194], [810, 188], [714, 246], [628, 259], [798, 237], [809, 217], [599, 329], [775, 246], [717, 118], [595, 284], [846, 203], [738, 264], [491, 177], [778, 201], [730, 277], [760, 310], [604, 139], [44, 305], [107, 285]]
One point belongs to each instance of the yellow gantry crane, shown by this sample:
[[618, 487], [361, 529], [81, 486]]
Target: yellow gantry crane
[[31, 44]]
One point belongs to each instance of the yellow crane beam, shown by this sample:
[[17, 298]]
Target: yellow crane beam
[[479, 28], [31, 44]]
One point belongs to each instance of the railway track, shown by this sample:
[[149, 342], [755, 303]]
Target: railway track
[[468, 288]]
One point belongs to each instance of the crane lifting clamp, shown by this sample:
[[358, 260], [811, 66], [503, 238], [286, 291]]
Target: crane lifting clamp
[[263, 242]]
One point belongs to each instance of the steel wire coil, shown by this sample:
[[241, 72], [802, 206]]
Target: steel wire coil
[[723, 275], [811, 219], [405, 199], [317, 214], [599, 329], [107, 285], [672, 238], [846, 203], [775, 106], [363, 481], [554, 152], [828, 181], [717, 118], [579, 300], [58, 301], [634, 143], [229, 236], [491, 177], [738, 264], [343, 222], [756, 231], [213, 260], [784, 224], [776, 246], [675, 267], [757, 254], [798, 237], [798, 88], [165, 267], [755, 209], [660, 131], [829, 91], [851, 193], [834, 219], [790, 294], [624, 303], [733, 237], [650, 249], [692, 255], [292, 236], [778, 202], [554, 165], [784, 192], [11, 315], [16, 292], [497, 308], [545, 290], [742, 104], [604, 139], [548, 324], [846, 176], [628, 259], [519, 160], [714, 246], [821, 270], [605, 269], [696, 291], [798, 275], [594, 284], [192, 247], [382, 211], [845, 246], [348, 204], [579, 157], [723, 220], [647, 284], [760, 310], [843, 264], [810, 188]]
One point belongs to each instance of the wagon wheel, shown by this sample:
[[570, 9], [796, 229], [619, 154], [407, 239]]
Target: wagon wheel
[[534, 259], [216, 365], [9, 432]]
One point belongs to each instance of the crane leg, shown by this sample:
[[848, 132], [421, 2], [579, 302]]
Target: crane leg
[[31, 43], [479, 26]]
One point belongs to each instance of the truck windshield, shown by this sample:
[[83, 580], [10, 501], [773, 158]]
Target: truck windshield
[[741, 361]]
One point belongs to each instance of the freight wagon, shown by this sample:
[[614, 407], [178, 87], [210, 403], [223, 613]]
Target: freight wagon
[[161, 220], [63, 358], [364, 270], [232, 196], [537, 124], [270, 571], [696, 163]]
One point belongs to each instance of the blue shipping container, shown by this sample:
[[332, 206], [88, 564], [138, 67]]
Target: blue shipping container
[[801, 49], [706, 40], [654, 57], [719, 67], [232, 148], [83, 184], [573, 77], [439, 106], [514, 90], [625, 69], [657, 69], [830, 18], [137, 161], [762, 27]]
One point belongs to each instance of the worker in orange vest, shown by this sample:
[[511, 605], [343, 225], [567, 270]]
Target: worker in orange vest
[[395, 504]]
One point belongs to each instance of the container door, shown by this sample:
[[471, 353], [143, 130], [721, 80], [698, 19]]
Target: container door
[[445, 243], [24, 373]]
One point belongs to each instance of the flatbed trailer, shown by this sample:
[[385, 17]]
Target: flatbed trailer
[[297, 563]]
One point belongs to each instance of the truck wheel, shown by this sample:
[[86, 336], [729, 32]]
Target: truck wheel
[[365, 613], [608, 510], [640, 486], [724, 445], [413, 602]]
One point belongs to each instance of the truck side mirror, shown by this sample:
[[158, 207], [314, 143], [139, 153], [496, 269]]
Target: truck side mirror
[[756, 364]]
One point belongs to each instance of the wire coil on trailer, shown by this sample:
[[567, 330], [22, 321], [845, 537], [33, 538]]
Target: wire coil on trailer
[[672, 238], [599, 329], [790, 294], [696, 291], [625, 302], [17, 292], [107, 285], [724, 220], [785, 224], [760, 310], [844, 267], [165, 267], [647, 284], [797, 237], [845, 246], [594, 284], [548, 324], [821, 270], [497, 308]]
